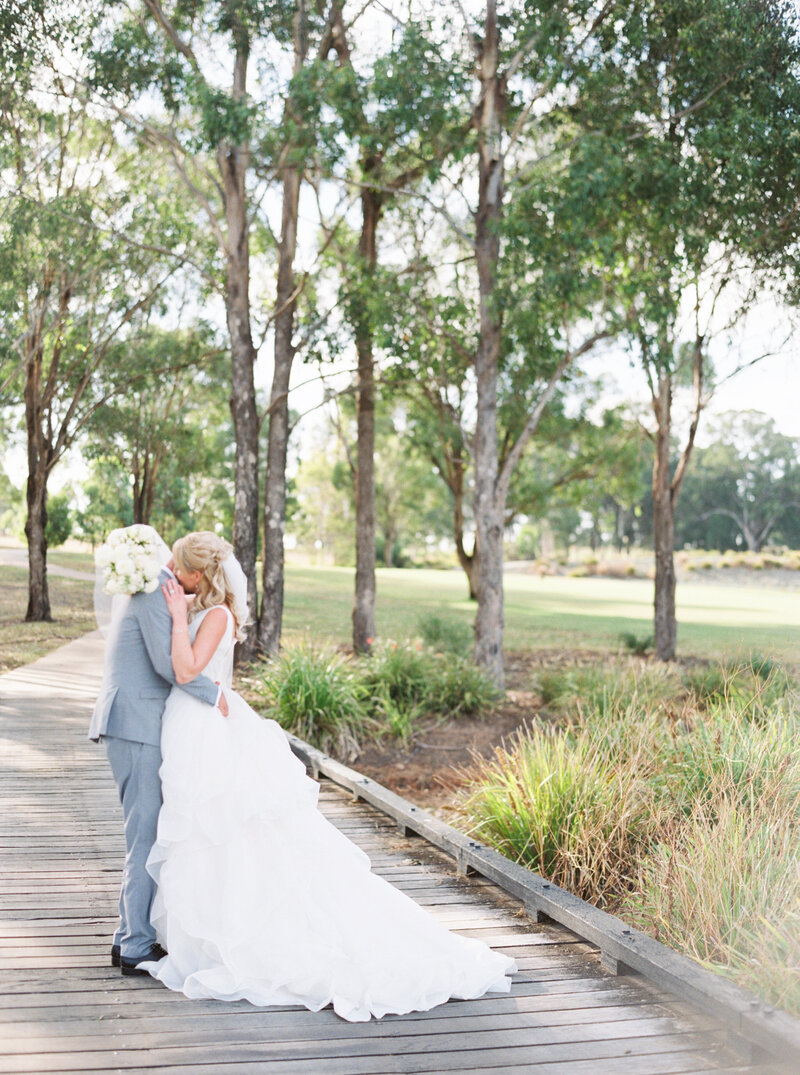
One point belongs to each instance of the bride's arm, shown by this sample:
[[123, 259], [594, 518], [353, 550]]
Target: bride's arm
[[189, 660]]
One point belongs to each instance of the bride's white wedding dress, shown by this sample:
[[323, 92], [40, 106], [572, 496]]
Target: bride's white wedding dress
[[261, 898]]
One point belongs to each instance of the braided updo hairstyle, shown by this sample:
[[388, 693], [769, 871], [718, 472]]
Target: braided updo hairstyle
[[204, 551]]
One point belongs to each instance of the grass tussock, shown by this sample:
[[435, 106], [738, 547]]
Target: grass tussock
[[673, 800], [335, 704], [315, 695], [445, 635], [552, 804]]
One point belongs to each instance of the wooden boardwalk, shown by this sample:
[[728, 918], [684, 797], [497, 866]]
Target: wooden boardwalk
[[63, 1009]]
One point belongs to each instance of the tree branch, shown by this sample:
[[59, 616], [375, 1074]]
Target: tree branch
[[513, 457]]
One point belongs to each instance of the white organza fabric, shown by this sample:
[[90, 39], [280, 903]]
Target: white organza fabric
[[237, 581], [261, 898]]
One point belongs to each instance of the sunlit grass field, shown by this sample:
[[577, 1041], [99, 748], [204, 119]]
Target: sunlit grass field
[[571, 613], [715, 620]]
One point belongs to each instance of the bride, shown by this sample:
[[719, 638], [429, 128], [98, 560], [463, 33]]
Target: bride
[[259, 897]]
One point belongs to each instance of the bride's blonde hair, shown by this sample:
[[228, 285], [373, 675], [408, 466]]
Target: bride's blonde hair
[[204, 551]]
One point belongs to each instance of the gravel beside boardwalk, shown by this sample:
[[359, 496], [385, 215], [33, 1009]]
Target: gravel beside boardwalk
[[63, 1008]]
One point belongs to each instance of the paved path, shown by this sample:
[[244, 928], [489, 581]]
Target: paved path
[[63, 1009]]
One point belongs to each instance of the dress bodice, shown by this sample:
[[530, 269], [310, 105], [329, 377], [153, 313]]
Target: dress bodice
[[220, 667]]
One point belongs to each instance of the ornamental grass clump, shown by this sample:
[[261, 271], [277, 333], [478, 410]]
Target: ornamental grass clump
[[318, 697], [398, 672], [754, 684], [434, 684], [444, 635], [725, 889], [587, 688], [757, 765], [550, 802]]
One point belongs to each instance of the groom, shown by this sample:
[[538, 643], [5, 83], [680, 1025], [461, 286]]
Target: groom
[[127, 717]]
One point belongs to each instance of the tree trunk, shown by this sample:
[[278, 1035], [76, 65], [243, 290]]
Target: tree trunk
[[364, 602], [243, 392], [39, 460], [468, 561], [269, 626], [137, 497], [35, 531], [665, 624], [233, 161], [489, 512], [271, 619], [388, 545]]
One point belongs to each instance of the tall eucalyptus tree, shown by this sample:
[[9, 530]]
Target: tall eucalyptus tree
[[405, 115], [196, 62], [690, 160], [82, 262]]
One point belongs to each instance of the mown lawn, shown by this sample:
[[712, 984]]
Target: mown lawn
[[570, 613]]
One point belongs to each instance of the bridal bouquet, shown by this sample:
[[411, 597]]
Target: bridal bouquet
[[130, 560]]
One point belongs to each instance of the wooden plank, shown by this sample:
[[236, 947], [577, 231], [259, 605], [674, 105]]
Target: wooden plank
[[80, 1035], [660, 1056], [33, 1020], [541, 1045]]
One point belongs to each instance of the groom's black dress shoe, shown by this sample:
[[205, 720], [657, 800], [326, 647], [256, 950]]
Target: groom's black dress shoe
[[130, 967], [115, 955]]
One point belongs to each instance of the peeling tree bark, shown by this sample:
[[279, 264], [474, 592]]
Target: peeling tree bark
[[269, 626], [233, 162], [36, 533], [364, 600], [489, 514], [666, 488], [664, 622]]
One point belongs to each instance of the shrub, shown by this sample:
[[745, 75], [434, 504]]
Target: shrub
[[442, 686], [395, 719], [637, 644], [316, 696], [459, 688], [396, 672], [444, 635], [59, 520]]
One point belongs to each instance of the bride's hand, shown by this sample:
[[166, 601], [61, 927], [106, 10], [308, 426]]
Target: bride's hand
[[176, 601]]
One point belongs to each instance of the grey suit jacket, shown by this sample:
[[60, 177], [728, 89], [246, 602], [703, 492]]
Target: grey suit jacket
[[140, 674]]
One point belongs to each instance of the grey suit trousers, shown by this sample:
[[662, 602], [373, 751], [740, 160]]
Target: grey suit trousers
[[135, 767]]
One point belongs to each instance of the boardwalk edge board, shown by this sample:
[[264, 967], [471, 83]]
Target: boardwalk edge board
[[623, 949]]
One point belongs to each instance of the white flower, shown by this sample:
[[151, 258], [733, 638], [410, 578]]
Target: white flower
[[122, 562], [102, 556], [151, 585]]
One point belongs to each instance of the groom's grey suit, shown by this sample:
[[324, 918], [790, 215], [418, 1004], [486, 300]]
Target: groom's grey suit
[[127, 717]]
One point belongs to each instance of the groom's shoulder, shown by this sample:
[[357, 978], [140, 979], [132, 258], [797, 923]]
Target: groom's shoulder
[[147, 602]]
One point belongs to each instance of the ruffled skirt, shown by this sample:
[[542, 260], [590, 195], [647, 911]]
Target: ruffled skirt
[[260, 898]]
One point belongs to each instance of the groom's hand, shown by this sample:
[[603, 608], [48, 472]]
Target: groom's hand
[[222, 704]]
